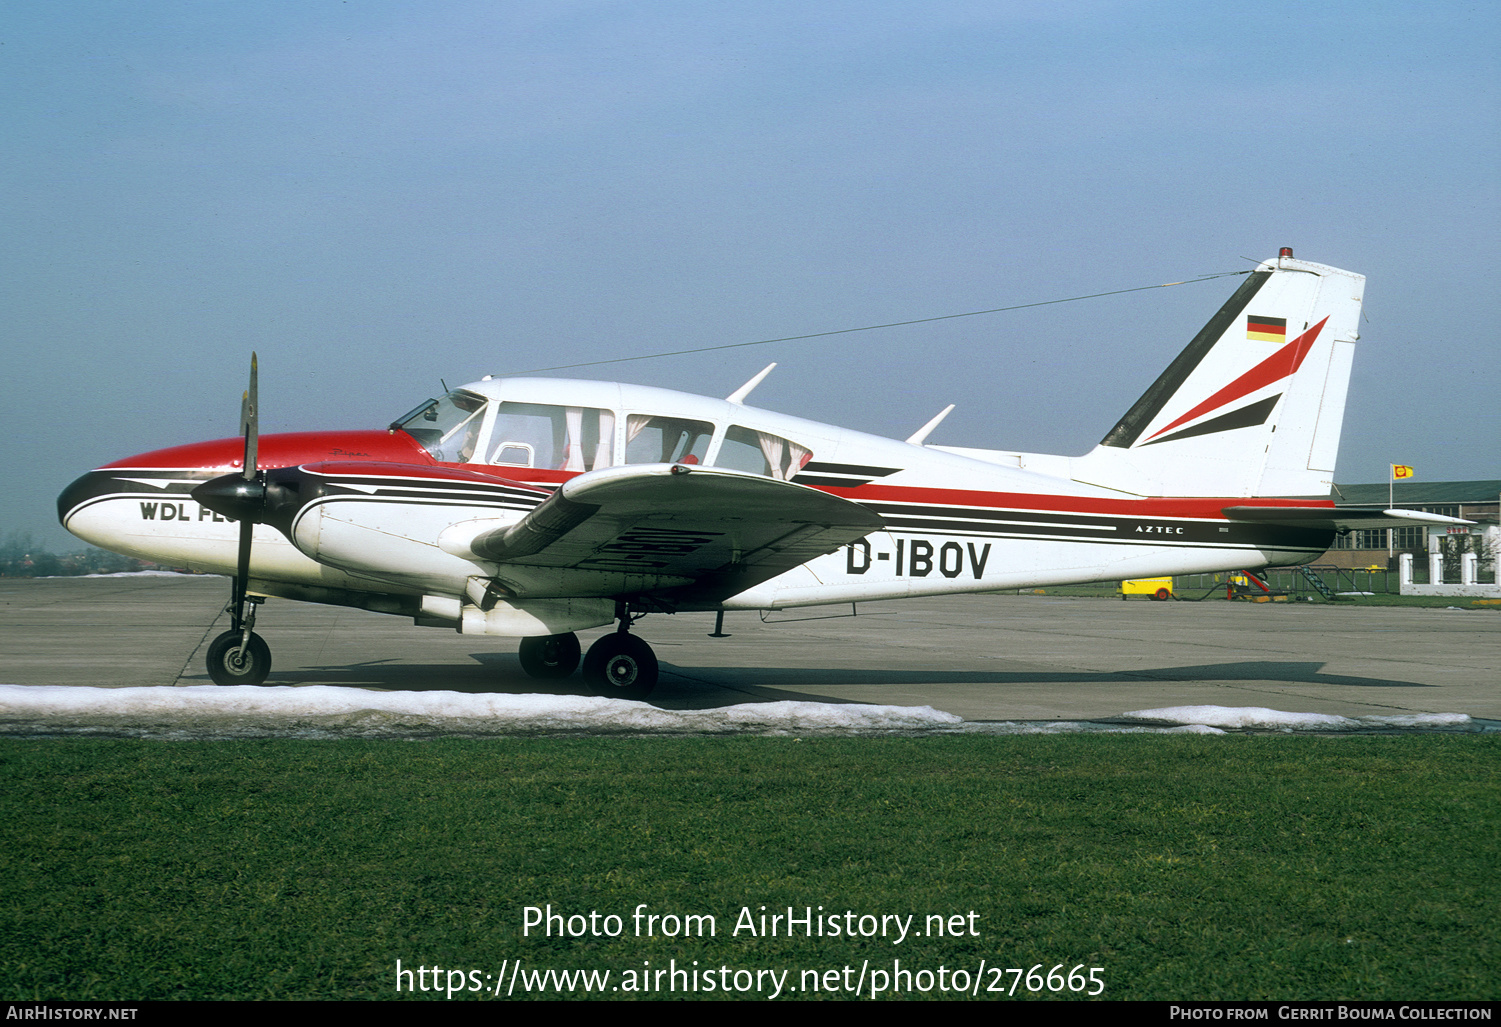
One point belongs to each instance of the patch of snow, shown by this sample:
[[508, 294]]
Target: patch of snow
[[1257, 718], [328, 711]]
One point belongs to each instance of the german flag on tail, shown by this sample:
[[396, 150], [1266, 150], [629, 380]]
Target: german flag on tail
[[1266, 329]]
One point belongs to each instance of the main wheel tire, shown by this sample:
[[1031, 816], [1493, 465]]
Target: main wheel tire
[[550, 656], [229, 665], [621, 666]]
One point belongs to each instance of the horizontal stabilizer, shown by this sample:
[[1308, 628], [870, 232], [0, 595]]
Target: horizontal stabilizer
[[1338, 517]]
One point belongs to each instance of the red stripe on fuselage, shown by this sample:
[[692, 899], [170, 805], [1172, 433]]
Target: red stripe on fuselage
[[1159, 506], [1210, 508]]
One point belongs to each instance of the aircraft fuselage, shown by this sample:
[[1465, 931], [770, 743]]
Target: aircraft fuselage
[[952, 522]]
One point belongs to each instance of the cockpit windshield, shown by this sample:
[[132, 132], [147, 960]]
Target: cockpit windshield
[[448, 428]]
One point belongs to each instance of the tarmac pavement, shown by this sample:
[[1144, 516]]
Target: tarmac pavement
[[990, 657]]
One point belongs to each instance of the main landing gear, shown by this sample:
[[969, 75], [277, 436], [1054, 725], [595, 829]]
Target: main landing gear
[[619, 665], [550, 656]]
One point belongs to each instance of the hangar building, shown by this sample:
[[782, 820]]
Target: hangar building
[[1478, 501]]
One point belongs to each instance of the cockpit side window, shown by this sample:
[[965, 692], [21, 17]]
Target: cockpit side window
[[448, 428], [552, 437], [666, 440], [757, 452]]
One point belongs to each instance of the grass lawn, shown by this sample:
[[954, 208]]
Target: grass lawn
[[1186, 867]]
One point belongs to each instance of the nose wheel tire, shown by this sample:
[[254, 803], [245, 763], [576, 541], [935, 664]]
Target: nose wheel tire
[[621, 666], [229, 664], [550, 656]]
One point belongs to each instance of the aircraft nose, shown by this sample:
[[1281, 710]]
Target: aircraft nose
[[86, 488], [91, 508]]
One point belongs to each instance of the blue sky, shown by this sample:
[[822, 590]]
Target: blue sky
[[377, 195]]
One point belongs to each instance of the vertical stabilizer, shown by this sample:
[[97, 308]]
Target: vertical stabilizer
[[1254, 405]]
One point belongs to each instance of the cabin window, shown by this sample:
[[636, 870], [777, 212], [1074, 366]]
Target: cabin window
[[552, 437], [666, 440], [448, 428], [759, 453]]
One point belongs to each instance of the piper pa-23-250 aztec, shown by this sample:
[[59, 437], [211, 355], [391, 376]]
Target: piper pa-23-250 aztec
[[538, 507]]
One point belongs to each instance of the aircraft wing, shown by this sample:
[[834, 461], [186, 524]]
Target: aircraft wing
[[719, 531], [1340, 518]]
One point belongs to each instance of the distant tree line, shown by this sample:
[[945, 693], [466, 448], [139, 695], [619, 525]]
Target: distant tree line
[[23, 557]]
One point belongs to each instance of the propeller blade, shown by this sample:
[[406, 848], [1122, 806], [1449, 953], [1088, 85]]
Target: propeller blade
[[241, 496], [249, 426]]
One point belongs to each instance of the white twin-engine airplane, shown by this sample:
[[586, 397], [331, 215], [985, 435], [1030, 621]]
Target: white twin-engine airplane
[[536, 507]]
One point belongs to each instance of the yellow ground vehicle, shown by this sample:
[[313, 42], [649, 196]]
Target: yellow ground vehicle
[[1160, 589]]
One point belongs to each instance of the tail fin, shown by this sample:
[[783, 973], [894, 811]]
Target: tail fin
[[1254, 405]]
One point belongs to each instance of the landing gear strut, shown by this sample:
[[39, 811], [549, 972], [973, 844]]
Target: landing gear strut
[[620, 665]]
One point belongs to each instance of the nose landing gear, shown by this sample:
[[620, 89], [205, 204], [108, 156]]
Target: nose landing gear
[[239, 656]]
